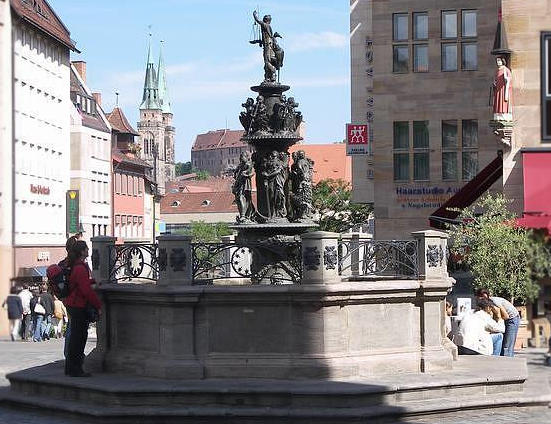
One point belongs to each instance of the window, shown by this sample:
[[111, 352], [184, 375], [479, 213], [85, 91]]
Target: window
[[420, 26], [401, 151], [401, 59], [470, 165], [401, 166], [469, 56], [449, 151], [421, 167], [420, 58], [449, 57], [470, 133], [420, 134], [449, 24], [124, 184], [468, 23], [469, 142], [117, 183], [546, 86], [401, 135], [130, 185], [400, 26]]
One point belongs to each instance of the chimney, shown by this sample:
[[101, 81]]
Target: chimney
[[97, 98], [80, 66]]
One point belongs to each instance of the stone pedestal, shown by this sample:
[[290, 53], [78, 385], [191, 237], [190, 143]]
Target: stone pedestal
[[320, 258], [102, 256], [435, 285], [175, 260]]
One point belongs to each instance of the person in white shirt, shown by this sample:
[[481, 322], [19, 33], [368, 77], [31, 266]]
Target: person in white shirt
[[481, 333], [26, 297], [512, 321]]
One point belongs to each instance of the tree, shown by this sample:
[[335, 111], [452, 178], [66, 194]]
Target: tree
[[183, 168], [504, 258], [202, 175], [334, 208], [203, 232]]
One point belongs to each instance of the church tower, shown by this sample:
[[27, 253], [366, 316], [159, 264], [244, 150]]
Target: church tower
[[155, 125]]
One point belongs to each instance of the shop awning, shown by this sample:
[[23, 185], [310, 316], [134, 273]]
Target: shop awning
[[536, 170], [468, 194], [32, 272]]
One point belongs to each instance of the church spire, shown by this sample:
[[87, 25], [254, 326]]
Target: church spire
[[164, 98], [150, 99]]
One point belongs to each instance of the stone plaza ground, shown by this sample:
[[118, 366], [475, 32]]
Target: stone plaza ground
[[16, 356]]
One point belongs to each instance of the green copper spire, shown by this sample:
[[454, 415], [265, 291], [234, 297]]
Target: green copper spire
[[150, 99], [164, 98]]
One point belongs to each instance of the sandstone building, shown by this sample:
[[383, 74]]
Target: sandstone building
[[421, 76]]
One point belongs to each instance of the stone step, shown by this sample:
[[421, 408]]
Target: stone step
[[474, 383]]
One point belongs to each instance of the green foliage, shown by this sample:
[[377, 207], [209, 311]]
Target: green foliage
[[183, 168], [334, 208], [204, 232], [202, 175], [505, 259]]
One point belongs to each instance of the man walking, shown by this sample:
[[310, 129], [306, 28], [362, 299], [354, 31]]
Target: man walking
[[15, 312], [47, 301], [25, 295]]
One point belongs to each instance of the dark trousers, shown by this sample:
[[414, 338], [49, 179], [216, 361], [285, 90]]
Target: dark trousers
[[77, 341]]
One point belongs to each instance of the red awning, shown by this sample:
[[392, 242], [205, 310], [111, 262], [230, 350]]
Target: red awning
[[535, 222], [468, 194]]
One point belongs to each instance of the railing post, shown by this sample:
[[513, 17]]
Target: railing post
[[320, 259], [175, 259], [102, 258], [432, 251], [355, 254]]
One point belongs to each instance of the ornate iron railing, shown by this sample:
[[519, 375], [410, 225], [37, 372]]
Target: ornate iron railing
[[133, 261], [396, 258], [261, 263]]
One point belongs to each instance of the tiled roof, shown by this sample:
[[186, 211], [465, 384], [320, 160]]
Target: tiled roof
[[330, 161], [119, 122], [198, 203], [212, 184], [128, 158], [218, 139], [94, 120], [41, 15]]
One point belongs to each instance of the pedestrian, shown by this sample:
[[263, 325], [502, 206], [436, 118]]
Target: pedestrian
[[511, 317], [65, 264], [448, 320], [25, 295], [481, 333], [47, 300], [15, 312], [38, 312], [79, 301], [59, 318]]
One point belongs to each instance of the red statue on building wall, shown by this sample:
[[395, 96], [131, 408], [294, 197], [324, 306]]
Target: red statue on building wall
[[502, 92]]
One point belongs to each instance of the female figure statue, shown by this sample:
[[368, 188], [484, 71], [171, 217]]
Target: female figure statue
[[242, 188]]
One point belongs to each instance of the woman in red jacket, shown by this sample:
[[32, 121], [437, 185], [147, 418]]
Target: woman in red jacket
[[81, 295]]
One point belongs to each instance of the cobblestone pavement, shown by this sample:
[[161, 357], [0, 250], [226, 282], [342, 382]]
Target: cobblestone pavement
[[19, 355]]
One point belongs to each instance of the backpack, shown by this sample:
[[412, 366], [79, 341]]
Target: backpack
[[58, 280]]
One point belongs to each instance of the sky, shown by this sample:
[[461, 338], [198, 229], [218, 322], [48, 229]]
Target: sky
[[210, 64]]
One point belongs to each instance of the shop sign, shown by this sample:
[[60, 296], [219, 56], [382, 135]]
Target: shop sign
[[39, 189], [423, 197], [43, 257], [72, 215], [357, 139]]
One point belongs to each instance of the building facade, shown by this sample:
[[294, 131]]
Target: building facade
[[217, 152], [90, 156], [132, 193], [6, 116], [430, 74], [155, 126], [40, 50]]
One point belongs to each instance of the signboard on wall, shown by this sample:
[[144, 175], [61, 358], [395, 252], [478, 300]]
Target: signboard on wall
[[72, 215], [357, 139]]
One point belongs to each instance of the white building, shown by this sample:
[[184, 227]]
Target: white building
[[90, 156], [6, 261], [41, 136]]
